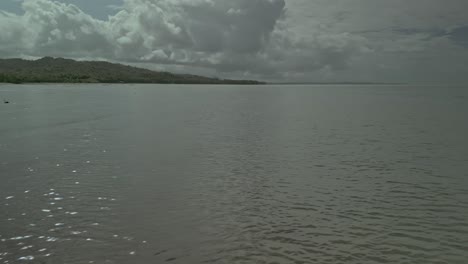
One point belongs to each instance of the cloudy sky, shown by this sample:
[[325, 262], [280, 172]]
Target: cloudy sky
[[417, 41]]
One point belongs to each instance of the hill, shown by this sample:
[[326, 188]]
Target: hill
[[59, 70]]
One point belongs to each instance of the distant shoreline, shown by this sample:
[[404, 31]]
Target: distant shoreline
[[67, 71], [260, 83], [255, 84], [337, 83], [167, 83], [109, 83]]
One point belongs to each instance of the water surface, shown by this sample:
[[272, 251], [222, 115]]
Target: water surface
[[233, 174]]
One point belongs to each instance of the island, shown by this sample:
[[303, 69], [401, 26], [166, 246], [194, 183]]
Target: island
[[60, 70]]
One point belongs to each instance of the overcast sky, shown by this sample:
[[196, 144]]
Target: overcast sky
[[274, 40]]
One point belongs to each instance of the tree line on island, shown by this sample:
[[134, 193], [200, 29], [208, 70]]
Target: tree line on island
[[60, 70]]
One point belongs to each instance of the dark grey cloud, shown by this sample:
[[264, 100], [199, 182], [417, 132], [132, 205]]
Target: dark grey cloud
[[460, 35]]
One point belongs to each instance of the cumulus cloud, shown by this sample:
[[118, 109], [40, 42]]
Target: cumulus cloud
[[243, 36], [61, 29]]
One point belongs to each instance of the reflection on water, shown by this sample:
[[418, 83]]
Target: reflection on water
[[268, 174]]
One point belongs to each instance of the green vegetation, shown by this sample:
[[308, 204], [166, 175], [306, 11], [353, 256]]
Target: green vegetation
[[59, 70]]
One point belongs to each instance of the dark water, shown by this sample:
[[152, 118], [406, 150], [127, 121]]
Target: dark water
[[228, 174]]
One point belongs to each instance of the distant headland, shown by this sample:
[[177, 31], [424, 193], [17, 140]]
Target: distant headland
[[60, 70]]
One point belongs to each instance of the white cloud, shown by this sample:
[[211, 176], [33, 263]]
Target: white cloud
[[62, 30], [231, 36]]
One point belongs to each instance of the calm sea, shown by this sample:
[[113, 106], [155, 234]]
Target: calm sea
[[233, 174]]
